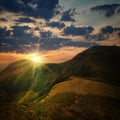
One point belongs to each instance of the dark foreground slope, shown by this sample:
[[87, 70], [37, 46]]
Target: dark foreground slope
[[24, 81]]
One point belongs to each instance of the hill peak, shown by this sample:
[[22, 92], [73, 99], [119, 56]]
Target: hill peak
[[102, 49]]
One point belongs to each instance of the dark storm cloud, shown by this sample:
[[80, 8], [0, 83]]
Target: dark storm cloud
[[25, 20], [108, 9], [34, 8], [3, 20], [77, 31], [68, 15], [56, 25]]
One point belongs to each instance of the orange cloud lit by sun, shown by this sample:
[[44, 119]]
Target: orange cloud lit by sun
[[62, 54], [51, 56], [7, 58], [10, 57]]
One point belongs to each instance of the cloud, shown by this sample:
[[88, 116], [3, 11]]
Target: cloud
[[80, 43], [110, 30], [34, 8], [50, 43], [20, 31], [25, 20], [119, 34], [56, 25], [17, 39], [77, 31], [116, 29], [4, 33], [108, 9], [46, 34], [68, 15], [56, 43], [47, 42], [105, 33], [53, 56], [3, 20], [95, 37], [22, 42], [21, 38], [62, 54], [7, 58], [107, 30]]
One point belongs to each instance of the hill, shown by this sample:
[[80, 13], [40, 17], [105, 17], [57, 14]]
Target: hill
[[98, 63], [73, 99], [78, 99], [85, 87], [24, 81]]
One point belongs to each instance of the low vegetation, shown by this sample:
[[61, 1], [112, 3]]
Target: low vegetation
[[86, 87]]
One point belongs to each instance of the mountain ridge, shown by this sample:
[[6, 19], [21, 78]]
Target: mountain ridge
[[25, 82]]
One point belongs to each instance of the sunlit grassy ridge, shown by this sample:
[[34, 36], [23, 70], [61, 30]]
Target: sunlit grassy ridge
[[24, 81], [81, 86]]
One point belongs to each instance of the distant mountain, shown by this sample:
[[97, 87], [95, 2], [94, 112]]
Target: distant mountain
[[24, 81]]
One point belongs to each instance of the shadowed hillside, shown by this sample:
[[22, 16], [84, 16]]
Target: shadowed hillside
[[99, 63]]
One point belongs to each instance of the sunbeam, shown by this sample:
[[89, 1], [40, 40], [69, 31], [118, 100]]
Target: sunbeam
[[36, 58]]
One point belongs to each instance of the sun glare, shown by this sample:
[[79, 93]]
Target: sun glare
[[35, 58]]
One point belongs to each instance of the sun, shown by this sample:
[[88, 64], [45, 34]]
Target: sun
[[35, 58]]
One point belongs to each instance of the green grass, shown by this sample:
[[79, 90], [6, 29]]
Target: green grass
[[74, 99], [21, 77], [86, 87], [64, 106]]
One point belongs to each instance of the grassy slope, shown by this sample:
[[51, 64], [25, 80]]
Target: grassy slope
[[83, 99], [24, 81], [97, 63], [75, 99], [85, 87]]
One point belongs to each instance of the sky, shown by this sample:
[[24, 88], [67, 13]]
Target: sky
[[57, 29]]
